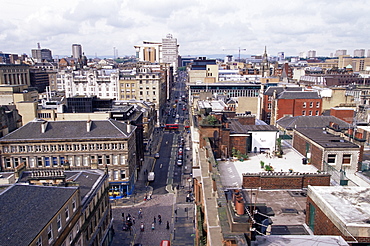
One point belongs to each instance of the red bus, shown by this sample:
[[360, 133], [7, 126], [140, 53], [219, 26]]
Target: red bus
[[172, 126], [165, 243]]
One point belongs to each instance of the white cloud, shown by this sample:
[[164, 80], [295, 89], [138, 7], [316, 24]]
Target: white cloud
[[201, 26]]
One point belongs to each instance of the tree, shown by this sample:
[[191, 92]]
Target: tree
[[211, 119]]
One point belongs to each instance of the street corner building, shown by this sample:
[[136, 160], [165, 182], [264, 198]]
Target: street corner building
[[75, 145], [57, 208]]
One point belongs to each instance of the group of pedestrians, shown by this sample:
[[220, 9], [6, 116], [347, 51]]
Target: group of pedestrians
[[129, 221]]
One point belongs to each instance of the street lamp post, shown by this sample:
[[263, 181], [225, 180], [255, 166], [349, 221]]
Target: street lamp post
[[189, 180]]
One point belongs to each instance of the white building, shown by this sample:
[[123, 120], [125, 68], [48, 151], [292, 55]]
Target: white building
[[170, 50], [101, 83]]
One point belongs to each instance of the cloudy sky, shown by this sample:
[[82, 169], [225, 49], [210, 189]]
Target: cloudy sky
[[202, 27]]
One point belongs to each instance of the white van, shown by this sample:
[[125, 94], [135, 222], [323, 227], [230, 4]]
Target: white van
[[151, 176]]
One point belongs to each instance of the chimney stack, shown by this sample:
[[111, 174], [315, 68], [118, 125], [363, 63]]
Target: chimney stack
[[88, 125], [44, 125]]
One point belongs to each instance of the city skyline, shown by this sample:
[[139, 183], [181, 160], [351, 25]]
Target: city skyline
[[108, 28]]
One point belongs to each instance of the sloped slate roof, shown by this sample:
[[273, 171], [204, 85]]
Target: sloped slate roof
[[26, 209], [298, 95], [310, 122], [56, 130]]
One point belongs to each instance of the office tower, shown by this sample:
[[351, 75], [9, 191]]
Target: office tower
[[170, 50], [281, 56], [149, 51], [77, 51], [40, 55], [302, 55], [340, 53], [359, 53], [311, 53]]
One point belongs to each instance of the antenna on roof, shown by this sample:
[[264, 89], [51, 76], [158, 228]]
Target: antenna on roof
[[38, 46]]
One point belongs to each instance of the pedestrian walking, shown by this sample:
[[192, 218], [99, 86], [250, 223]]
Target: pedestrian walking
[[123, 215], [160, 221], [133, 220], [155, 220], [140, 213], [142, 226], [168, 225], [153, 226]]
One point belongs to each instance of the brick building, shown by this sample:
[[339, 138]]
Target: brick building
[[240, 133], [267, 100], [295, 103], [338, 210], [325, 150], [281, 180], [345, 114]]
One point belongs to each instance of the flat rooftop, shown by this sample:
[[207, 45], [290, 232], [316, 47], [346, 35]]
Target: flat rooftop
[[326, 140], [232, 171], [350, 204]]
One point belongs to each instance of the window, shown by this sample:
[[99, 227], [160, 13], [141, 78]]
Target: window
[[304, 104], [55, 161], [310, 113], [123, 174], [61, 160], [115, 175], [331, 158], [317, 112], [311, 104], [317, 105], [59, 222], [70, 237], [269, 106], [50, 233], [303, 113], [77, 226], [311, 218], [39, 161], [47, 162], [66, 210], [74, 204], [100, 159], [107, 159], [32, 162], [346, 159], [39, 241]]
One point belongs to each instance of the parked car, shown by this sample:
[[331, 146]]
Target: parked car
[[180, 151], [179, 162]]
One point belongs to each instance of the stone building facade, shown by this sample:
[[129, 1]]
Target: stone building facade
[[107, 144]]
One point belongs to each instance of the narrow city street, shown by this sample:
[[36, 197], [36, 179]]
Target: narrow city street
[[169, 195]]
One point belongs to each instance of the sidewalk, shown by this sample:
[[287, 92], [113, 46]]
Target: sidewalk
[[141, 189]]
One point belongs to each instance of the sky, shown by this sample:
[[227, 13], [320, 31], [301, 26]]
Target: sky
[[202, 27]]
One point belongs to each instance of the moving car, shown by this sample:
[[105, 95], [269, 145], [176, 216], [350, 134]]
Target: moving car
[[179, 162], [156, 156]]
